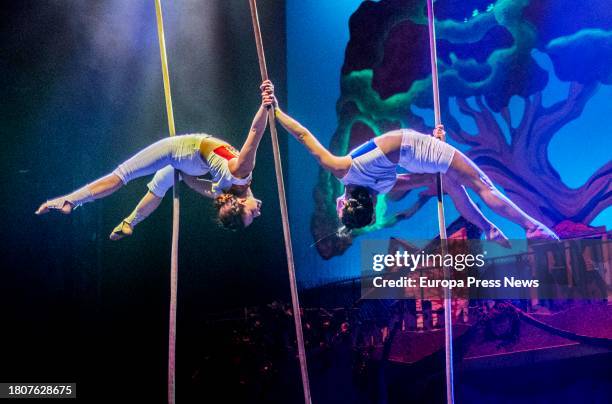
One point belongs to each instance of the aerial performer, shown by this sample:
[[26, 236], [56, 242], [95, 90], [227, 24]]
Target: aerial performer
[[193, 155], [371, 169]]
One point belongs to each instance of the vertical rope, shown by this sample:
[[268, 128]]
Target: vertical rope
[[448, 318], [175, 210], [284, 212]]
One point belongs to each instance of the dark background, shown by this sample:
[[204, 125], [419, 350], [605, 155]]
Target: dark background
[[81, 92]]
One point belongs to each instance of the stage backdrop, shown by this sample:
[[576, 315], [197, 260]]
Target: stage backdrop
[[525, 91]]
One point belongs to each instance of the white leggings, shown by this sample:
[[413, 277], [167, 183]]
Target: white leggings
[[179, 152]]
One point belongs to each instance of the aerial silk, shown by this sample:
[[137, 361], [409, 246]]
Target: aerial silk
[[284, 212], [448, 319], [175, 210]]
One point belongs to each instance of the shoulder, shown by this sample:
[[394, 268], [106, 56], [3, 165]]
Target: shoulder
[[234, 168], [342, 166]]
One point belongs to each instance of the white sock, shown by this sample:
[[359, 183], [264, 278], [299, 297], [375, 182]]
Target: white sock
[[80, 196], [76, 199], [134, 218]]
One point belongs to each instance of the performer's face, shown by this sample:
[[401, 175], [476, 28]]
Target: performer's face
[[340, 202], [252, 209]]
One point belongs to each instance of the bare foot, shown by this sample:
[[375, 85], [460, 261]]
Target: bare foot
[[497, 236], [122, 230], [541, 232], [54, 204]]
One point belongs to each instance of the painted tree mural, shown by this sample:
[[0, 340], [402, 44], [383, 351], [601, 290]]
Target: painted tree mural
[[485, 60]]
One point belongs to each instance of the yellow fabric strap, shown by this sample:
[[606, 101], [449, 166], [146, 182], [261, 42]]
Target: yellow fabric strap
[[164, 63]]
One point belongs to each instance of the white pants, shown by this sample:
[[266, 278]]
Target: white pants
[[179, 152], [422, 153]]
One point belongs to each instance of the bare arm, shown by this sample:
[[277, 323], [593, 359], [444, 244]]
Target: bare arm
[[203, 187], [406, 182], [245, 163], [338, 166]]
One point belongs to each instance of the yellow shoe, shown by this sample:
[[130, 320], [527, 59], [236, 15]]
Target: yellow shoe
[[123, 229]]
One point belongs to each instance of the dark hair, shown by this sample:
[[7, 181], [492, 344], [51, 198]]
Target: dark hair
[[230, 211], [358, 209]]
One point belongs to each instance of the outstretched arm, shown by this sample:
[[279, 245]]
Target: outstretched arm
[[338, 166], [245, 163]]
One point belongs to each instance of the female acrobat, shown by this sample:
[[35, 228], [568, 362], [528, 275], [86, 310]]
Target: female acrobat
[[193, 155]]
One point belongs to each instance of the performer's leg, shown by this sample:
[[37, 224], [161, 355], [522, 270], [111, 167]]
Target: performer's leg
[[470, 211], [463, 171], [105, 186], [145, 207], [98, 189], [145, 162]]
